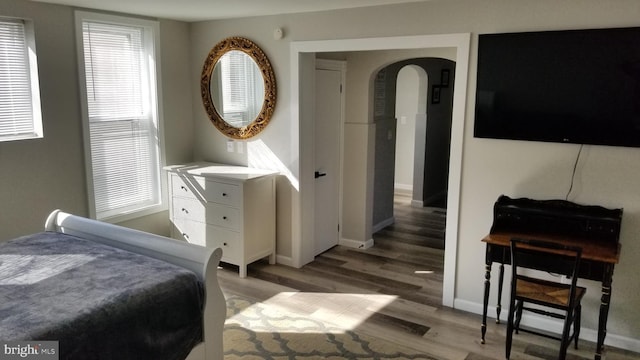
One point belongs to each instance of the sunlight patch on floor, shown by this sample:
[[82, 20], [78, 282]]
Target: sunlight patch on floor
[[422, 272], [337, 312]]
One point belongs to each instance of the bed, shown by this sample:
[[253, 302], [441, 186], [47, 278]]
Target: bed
[[103, 291]]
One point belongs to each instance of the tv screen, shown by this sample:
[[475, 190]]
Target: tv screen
[[574, 86]]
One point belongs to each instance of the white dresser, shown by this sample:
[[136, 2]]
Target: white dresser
[[231, 207]]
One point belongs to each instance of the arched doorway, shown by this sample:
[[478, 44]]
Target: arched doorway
[[431, 131]]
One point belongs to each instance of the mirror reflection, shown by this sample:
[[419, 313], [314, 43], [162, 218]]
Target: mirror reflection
[[237, 88]]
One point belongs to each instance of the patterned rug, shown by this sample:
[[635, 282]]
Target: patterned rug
[[262, 331]]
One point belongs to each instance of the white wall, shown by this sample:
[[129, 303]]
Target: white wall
[[606, 176], [406, 111]]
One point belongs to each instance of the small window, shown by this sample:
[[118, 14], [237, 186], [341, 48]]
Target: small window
[[121, 118], [20, 116]]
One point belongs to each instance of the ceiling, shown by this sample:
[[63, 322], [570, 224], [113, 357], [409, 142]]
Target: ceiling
[[199, 10]]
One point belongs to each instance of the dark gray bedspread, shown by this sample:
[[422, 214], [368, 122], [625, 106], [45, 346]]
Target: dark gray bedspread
[[99, 302]]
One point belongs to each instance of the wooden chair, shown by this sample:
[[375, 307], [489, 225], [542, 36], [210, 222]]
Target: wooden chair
[[531, 289]]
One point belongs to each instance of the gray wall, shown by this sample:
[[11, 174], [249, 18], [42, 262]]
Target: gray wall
[[41, 175]]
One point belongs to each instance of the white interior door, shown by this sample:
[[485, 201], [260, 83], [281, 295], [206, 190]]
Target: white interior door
[[328, 133]]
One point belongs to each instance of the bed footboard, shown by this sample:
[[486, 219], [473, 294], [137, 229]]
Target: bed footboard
[[202, 261]]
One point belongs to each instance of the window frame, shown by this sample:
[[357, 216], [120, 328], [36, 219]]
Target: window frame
[[152, 45], [34, 82]]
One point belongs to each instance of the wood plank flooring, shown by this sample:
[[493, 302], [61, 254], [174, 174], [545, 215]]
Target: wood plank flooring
[[403, 272]]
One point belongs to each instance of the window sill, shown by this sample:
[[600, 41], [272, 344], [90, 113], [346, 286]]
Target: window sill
[[122, 217]]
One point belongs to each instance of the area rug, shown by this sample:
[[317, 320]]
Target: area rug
[[263, 331]]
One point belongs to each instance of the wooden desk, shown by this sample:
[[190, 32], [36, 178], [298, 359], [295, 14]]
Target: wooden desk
[[598, 261]]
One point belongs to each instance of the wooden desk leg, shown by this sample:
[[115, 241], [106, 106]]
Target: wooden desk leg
[[500, 283], [604, 310], [487, 284]]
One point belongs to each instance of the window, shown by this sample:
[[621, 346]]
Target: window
[[121, 121], [20, 116]]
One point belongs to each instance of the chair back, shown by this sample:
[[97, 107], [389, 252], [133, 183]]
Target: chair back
[[550, 257], [546, 256]]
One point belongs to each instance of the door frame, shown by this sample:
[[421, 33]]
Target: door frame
[[341, 66], [302, 63]]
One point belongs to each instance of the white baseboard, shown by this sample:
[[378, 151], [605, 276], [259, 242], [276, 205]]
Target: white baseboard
[[356, 244], [284, 260], [548, 324]]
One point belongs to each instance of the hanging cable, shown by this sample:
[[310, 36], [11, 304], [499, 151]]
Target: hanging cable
[[573, 175]]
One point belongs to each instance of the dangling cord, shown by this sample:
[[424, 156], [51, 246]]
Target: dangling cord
[[573, 175]]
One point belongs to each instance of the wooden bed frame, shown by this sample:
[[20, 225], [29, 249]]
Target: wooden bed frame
[[202, 261]]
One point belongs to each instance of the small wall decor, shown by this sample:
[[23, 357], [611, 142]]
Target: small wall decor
[[435, 94], [444, 77]]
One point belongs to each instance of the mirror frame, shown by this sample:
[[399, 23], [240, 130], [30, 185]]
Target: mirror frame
[[269, 103]]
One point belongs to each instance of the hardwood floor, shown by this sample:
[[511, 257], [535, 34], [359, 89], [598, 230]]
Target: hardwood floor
[[395, 292]]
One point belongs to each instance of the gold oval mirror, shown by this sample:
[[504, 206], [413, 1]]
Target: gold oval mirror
[[238, 88]]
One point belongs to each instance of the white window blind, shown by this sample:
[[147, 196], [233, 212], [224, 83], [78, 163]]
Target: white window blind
[[123, 126], [20, 116]]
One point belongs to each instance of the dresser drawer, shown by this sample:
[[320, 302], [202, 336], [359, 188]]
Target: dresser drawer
[[186, 208], [223, 216], [197, 187], [210, 213], [229, 241], [186, 187], [222, 193], [193, 232], [210, 236]]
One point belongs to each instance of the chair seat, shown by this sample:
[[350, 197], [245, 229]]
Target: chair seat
[[548, 292]]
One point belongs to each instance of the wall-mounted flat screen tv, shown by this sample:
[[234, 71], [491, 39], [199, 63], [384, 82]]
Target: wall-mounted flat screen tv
[[575, 86]]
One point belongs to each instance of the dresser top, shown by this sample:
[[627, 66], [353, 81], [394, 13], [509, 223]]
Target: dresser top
[[207, 169]]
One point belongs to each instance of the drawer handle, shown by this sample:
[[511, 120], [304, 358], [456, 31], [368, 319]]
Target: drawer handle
[[183, 188], [224, 244], [224, 218], [185, 211], [186, 236], [224, 194]]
